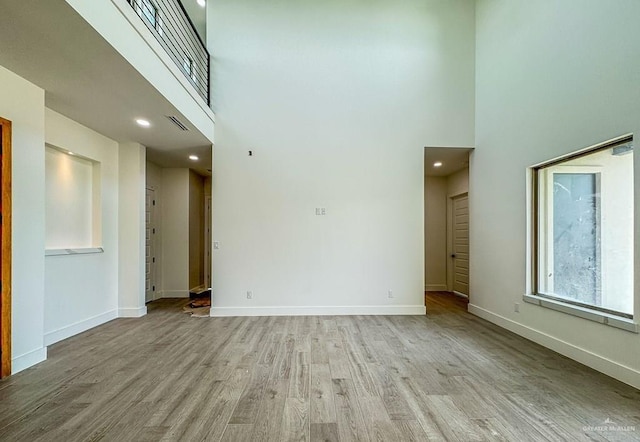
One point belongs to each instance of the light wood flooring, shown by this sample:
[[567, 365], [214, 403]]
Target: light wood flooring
[[448, 376]]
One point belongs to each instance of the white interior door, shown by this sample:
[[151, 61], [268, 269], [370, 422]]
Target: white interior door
[[460, 244], [150, 248]]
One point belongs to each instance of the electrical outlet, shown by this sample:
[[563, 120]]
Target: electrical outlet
[[321, 211], [391, 295], [249, 294], [216, 245], [516, 307]]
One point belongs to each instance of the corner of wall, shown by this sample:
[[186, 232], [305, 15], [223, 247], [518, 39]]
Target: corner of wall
[[131, 228]]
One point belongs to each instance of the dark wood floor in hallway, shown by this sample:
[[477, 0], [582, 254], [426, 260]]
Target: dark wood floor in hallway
[[448, 376]]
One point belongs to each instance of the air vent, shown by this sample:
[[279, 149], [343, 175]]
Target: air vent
[[177, 122]]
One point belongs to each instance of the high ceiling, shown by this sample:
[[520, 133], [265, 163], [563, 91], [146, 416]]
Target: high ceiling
[[87, 80]]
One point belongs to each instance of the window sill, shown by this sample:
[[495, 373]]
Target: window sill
[[78, 251], [585, 313]]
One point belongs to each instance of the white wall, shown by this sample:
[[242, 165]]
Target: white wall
[[81, 291], [131, 230], [435, 222], [337, 100], [175, 234], [69, 200], [552, 77], [458, 183], [22, 103]]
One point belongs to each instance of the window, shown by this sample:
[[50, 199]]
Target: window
[[187, 66], [583, 227], [149, 11]]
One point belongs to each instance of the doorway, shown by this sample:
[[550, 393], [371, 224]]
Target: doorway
[[446, 190], [5, 239]]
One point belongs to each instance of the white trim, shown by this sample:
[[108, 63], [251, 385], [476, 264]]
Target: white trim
[[609, 143], [175, 294], [462, 295], [78, 327], [611, 368], [132, 312], [77, 251], [320, 311], [28, 359], [435, 288], [583, 312]]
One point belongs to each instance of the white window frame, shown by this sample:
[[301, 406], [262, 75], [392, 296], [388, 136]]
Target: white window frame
[[545, 212], [541, 252]]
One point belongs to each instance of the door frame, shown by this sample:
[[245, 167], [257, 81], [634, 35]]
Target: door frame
[[5, 301], [450, 221], [207, 241], [153, 244]]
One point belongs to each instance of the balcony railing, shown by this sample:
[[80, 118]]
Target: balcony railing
[[169, 23]]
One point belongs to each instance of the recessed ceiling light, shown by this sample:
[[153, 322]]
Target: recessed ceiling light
[[437, 164], [193, 158], [143, 123], [202, 3]]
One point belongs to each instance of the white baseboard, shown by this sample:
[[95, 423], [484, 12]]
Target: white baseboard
[[174, 294], [462, 295], [27, 360], [611, 368], [132, 312], [435, 288], [320, 311], [78, 327]]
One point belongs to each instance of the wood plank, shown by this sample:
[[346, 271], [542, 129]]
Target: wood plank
[[300, 381], [393, 400], [324, 433], [411, 431], [377, 420], [351, 423], [338, 360], [323, 408], [295, 424], [249, 403], [268, 425], [237, 433]]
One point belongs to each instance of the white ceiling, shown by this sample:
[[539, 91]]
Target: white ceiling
[[87, 80], [453, 159]]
